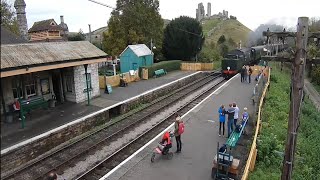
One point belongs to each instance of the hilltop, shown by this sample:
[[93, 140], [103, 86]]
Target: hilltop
[[214, 28]]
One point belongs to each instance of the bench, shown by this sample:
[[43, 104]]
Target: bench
[[26, 105], [159, 72], [235, 136]]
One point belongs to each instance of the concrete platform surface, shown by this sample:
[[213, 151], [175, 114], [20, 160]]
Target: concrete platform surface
[[41, 121], [199, 142]]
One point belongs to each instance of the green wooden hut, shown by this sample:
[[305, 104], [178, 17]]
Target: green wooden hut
[[135, 56]]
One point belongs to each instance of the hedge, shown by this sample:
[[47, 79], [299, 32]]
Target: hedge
[[166, 65]]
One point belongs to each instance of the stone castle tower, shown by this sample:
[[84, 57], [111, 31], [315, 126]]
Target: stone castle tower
[[20, 7]]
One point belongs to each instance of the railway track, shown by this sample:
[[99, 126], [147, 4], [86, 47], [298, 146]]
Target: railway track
[[121, 154], [77, 151]]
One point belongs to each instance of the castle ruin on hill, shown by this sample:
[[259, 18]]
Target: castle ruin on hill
[[201, 15]]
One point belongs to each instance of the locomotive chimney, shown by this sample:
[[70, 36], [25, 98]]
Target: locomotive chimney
[[240, 44]]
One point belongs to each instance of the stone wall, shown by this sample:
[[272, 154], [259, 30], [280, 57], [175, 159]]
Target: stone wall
[[79, 81], [32, 150]]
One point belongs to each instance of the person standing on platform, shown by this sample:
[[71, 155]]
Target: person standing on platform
[[230, 119], [177, 134], [222, 119], [245, 74], [242, 73], [236, 114], [249, 74]]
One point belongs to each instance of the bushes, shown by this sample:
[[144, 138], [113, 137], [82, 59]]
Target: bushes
[[315, 75], [271, 141], [166, 65]]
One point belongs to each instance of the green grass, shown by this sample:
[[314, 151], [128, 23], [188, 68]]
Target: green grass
[[207, 25], [316, 86], [273, 134], [229, 28]]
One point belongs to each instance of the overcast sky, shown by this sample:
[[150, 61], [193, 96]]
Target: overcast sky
[[79, 13]]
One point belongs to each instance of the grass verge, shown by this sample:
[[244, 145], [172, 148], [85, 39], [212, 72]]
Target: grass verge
[[272, 138]]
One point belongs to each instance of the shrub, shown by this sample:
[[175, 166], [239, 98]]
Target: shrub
[[273, 134], [315, 75], [166, 65]]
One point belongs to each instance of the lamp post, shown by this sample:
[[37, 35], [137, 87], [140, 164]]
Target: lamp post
[[86, 73]]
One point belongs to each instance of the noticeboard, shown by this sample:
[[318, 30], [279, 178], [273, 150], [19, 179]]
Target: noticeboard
[[108, 89]]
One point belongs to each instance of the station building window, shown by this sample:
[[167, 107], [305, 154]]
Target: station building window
[[17, 88], [30, 86]]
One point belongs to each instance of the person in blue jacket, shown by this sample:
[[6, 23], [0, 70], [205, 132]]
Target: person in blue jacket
[[222, 119]]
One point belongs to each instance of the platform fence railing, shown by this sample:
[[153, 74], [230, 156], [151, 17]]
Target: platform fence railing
[[259, 93]]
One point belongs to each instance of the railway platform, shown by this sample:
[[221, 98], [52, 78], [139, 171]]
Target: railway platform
[[42, 121], [199, 141]]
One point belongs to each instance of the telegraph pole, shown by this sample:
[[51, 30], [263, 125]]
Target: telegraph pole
[[297, 83]]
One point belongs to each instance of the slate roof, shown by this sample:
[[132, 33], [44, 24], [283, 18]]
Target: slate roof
[[139, 50], [37, 54], [7, 37], [44, 26]]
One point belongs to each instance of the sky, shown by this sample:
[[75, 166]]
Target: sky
[[79, 13]]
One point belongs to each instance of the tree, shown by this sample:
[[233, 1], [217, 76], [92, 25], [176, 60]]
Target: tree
[[231, 43], [183, 38], [133, 22], [221, 39], [77, 37], [224, 49], [8, 17]]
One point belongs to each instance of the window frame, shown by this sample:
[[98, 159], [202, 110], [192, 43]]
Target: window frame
[[29, 83]]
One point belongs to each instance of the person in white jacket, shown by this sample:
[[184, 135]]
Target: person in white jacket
[[236, 114]]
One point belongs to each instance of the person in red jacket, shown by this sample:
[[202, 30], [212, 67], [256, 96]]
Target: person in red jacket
[[166, 140]]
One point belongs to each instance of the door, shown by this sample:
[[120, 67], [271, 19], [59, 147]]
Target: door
[[56, 86]]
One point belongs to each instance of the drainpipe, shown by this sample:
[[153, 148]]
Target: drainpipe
[[86, 72], [3, 103]]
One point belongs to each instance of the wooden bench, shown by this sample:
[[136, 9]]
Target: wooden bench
[[159, 72], [235, 136]]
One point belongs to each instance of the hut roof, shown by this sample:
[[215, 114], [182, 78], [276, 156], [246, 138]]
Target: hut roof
[[139, 50]]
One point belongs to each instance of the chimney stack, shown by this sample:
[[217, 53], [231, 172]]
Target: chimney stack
[[20, 7], [61, 19], [89, 32]]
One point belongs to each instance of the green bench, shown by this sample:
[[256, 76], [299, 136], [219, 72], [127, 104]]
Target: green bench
[[235, 136], [159, 72], [26, 105]]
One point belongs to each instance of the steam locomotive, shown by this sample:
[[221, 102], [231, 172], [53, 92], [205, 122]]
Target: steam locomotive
[[235, 59]]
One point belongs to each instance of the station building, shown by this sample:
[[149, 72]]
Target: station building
[[53, 70]]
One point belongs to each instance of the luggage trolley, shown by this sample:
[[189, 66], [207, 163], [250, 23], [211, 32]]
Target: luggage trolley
[[224, 165]]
